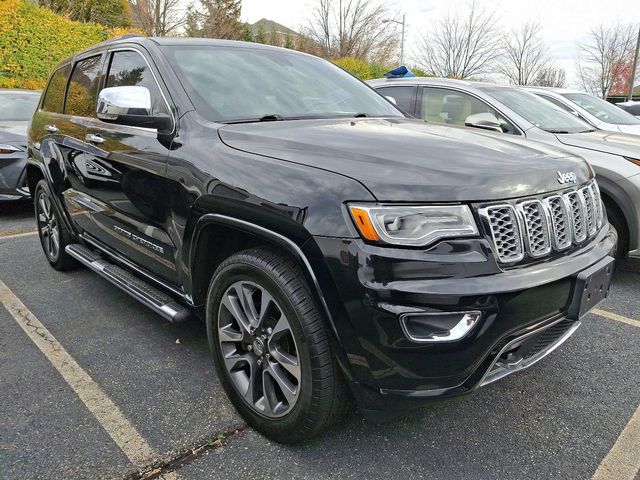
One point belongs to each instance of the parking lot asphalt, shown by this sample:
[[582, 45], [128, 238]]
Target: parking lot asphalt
[[558, 419]]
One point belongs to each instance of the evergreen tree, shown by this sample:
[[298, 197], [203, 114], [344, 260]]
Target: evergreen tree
[[288, 42], [247, 34], [215, 19], [261, 36]]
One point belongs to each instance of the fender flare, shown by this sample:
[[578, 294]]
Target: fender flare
[[274, 237], [301, 258]]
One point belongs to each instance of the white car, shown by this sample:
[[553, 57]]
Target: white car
[[599, 113]]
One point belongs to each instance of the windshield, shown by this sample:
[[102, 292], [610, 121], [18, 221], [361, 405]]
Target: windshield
[[18, 106], [229, 84], [538, 111], [602, 110]]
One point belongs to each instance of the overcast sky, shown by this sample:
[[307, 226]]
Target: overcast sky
[[565, 22]]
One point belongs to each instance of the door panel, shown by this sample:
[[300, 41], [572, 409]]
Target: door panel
[[124, 176]]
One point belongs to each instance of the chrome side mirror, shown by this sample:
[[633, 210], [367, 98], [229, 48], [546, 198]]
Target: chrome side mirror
[[486, 121], [130, 105]]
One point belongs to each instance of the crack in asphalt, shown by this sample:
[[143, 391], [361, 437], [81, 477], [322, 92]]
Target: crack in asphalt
[[181, 458]]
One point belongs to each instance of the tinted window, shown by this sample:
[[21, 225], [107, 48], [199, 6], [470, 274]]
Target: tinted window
[[557, 103], [129, 68], [405, 97], [18, 106], [237, 84], [602, 110], [452, 107], [542, 114], [83, 87], [54, 97]]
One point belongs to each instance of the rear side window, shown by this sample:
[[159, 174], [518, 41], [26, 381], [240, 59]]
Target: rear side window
[[405, 97], [54, 96], [129, 68], [83, 88]]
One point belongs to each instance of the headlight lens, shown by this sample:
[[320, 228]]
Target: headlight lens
[[412, 226], [633, 160], [5, 149]]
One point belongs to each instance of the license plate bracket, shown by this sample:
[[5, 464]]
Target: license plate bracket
[[591, 287]]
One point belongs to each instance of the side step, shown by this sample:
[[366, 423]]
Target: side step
[[140, 290]]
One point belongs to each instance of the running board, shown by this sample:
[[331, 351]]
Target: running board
[[150, 296]]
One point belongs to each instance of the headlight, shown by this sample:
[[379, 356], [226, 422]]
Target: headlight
[[633, 160], [412, 226], [5, 149]]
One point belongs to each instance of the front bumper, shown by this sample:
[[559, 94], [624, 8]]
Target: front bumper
[[13, 177], [377, 285]]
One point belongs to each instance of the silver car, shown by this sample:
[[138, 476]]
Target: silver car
[[615, 157], [595, 111]]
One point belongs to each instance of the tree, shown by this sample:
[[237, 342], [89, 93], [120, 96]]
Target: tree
[[525, 55], [217, 19], [247, 34], [261, 36], [288, 42], [111, 13], [353, 28], [551, 76], [461, 45], [621, 77], [160, 18], [607, 48]]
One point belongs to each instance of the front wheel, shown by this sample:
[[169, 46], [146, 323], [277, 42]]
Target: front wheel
[[271, 348]]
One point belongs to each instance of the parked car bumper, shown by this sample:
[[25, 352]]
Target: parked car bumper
[[13, 177], [525, 307]]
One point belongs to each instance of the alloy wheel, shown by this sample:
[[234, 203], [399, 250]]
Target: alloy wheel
[[258, 349], [48, 226]]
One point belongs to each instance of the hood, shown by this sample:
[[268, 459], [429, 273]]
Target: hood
[[14, 132], [409, 160], [631, 129], [622, 144]]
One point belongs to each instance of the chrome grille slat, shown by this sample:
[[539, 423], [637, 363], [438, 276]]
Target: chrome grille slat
[[560, 225], [536, 227], [505, 232]]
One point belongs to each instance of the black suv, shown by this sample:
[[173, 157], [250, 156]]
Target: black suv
[[335, 249]]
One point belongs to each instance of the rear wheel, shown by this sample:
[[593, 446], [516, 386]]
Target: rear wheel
[[270, 347], [53, 234]]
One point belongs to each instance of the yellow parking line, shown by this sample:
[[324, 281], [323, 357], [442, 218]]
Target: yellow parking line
[[123, 433], [18, 235], [616, 317], [623, 460]]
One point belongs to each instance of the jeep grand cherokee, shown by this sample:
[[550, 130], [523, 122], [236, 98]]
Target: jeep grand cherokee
[[335, 249]]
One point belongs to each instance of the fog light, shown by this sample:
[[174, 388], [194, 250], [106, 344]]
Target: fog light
[[438, 327]]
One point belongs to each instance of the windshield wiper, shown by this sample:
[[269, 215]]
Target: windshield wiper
[[552, 130], [361, 115]]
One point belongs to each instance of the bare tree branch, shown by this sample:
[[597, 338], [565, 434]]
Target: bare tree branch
[[160, 18], [354, 28], [599, 58], [461, 46], [551, 76], [525, 54]]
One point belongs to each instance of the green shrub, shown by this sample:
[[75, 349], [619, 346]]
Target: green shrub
[[361, 69], [34, 39]]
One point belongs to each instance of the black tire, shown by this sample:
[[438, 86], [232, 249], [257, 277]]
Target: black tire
[[322, 397], [51, 229], [618, 222]]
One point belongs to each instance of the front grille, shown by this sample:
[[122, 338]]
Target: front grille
[[536, 227]]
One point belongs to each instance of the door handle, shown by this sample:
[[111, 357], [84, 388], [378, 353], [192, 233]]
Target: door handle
[[51, 128], [95, 139]]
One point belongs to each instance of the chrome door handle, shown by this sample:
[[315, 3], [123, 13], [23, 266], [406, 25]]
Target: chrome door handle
[[93, 138], [51, 128]]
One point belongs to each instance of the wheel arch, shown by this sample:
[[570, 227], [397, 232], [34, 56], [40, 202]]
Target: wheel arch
[[614, 196]]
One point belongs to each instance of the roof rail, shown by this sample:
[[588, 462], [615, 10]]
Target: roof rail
[[127, 35]]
